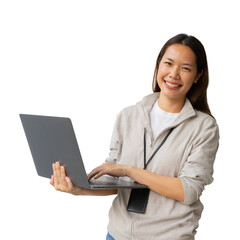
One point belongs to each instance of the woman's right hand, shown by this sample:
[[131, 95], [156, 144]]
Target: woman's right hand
[[60, 181]]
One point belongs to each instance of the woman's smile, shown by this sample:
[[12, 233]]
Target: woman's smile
[[172, 85]]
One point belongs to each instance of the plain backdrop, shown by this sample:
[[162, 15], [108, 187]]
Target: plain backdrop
[[87, 60]]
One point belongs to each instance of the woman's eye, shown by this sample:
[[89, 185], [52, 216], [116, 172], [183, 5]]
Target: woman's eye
[[186, 69], [168, 63]]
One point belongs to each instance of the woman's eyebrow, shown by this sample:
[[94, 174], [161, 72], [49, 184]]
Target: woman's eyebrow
[[188, 64]]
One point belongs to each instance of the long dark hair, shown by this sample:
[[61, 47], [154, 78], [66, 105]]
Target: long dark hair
[[197, 94]]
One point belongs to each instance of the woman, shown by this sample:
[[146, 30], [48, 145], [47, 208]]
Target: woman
[[179, 170]]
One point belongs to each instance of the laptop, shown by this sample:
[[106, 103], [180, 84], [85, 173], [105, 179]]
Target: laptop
[[52, 139]]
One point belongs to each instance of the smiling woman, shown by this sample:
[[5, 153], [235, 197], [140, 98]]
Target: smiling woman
[[168, 142]]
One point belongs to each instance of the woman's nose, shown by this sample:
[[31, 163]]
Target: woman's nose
[[174, 72]]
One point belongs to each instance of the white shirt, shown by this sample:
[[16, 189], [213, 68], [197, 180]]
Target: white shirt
[[160, 119]]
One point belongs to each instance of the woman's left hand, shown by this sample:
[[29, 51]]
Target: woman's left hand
[[114, 170]]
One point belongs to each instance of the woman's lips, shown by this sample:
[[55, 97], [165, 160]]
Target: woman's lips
[[172, 85]]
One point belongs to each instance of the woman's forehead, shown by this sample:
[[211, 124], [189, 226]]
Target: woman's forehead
[[181, 53]]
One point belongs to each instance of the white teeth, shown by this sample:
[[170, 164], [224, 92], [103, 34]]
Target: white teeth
[[172, 85]]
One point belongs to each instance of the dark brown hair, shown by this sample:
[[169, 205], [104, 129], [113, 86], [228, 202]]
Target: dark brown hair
[[197, 94]]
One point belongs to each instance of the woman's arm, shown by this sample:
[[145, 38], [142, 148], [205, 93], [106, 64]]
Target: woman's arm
[[170, 187], [62, 183]]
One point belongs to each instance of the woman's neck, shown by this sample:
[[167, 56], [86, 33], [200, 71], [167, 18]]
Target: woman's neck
[[170, 105]]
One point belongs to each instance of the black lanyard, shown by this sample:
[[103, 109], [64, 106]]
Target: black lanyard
[[160, 145], [138, 199]]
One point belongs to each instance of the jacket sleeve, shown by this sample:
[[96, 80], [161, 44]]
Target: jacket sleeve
[[198, 169], [115, 144]]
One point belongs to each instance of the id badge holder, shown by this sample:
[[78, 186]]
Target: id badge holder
[[138, 200]]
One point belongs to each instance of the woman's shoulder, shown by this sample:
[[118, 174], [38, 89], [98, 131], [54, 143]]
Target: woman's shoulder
[[205, 124], [204, 117]]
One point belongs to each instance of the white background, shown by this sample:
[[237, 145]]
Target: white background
[[87, 60]]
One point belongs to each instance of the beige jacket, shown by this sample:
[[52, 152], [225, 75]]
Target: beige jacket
[[188, 154]]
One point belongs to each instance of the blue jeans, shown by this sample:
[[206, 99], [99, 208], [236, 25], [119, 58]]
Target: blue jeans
[[109, 237]]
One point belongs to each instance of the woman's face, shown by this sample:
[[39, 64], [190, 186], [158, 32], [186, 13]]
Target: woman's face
[[177, 72]]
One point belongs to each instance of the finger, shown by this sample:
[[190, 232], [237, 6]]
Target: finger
[[56, 174], [93, 173], [90, 175], [99, 174], [63, 176], [69, 182], [56, 182], [98, 169], [62, 173], [58, 171]]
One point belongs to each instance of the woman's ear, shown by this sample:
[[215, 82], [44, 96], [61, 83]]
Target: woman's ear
[[198, 76]]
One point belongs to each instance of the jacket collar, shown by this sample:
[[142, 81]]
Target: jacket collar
[[145, 107]]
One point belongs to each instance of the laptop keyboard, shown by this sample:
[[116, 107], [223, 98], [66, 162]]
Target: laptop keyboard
[[108, 181]]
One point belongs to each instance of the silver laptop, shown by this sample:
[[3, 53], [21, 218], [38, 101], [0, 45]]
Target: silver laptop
[[52, 139]]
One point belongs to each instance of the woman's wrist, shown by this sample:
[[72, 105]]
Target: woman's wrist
[[76, 191], [81, 191], [128, 170], [132, 172]]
